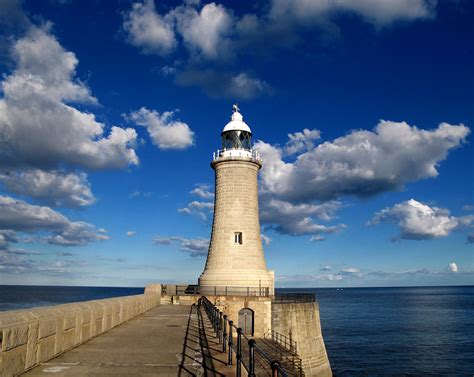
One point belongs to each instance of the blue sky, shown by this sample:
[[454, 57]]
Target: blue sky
[[362, 110]]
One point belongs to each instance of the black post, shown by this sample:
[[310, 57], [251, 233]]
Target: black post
[[224, 340], [239, 352], [220, 327], [231, 343], [275, 365], [251, 358]]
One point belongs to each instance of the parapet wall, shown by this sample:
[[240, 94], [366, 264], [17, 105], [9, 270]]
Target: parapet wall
[[32, 336], [302, 320]]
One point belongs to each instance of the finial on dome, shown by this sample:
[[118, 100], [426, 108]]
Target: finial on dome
[[235, 108]]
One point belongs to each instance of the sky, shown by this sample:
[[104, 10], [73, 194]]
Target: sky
[[362, 111]]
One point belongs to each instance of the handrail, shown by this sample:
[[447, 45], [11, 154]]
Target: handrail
[[217, 290], [285, 341], [294, 297], [224, 330]]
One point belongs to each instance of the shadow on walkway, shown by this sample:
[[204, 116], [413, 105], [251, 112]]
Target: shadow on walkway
[[198, 347]]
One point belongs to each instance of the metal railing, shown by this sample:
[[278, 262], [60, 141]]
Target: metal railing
[[251, 153], [225, 329], [294, 297], [286, 342], [183, 290]]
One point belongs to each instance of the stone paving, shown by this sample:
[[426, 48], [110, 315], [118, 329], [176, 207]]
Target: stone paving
[[169, 340]]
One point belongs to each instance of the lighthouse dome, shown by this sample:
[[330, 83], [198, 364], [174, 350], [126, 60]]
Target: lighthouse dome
[[236, 122]]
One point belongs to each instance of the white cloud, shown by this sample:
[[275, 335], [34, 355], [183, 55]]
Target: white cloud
[[165, 132], [196, 247], [265, 239], [202, 191], [350, 270], [148, 30], [204, 32], [131, 233], [301, 141], [38, 125], [377, 12], [55, 187], [17, 215], [362, 163], [418, 221], [453, 267], [297, 219], [202, 209]]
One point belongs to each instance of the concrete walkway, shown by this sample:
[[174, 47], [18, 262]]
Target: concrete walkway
[[169, 340]]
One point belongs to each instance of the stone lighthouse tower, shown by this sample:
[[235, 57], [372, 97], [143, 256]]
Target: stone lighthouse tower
[[235, 259]]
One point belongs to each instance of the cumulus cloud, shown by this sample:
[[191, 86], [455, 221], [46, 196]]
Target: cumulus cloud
[[196, 207], [17, 215], [148, 30], [131, 233], [298, 219], [203, 191], [204, 32], [40, 127], [301, 141], [164, 131], [453, 267], [377, 12], [196, 247], [418, 221], [57, 188], [216, 84], [362, 163]]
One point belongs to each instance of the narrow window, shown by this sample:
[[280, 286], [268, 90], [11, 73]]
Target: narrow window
[[238, 237]]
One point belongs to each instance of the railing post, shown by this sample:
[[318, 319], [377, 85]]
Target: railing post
[[224, 342], [251, 358], [231, 343], [275, 365], [239, 352], [220, 327]]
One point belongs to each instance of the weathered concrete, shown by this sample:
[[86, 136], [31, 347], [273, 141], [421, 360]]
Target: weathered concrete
[[302, 320], [148, 345], [32, 336]]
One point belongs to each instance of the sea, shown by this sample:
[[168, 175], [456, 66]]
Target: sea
[[406, 331]]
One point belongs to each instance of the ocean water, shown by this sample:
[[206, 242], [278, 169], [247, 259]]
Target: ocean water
[[412, 331], [419, 331], [27, 296]]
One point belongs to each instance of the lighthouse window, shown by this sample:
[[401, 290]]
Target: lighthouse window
[[238, 237]]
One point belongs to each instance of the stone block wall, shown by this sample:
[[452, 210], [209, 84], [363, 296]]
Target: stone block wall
[[32, 336], [302, 319], [261, 306]]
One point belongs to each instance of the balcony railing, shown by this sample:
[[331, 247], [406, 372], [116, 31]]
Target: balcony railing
[[250, 153], [184, 290]]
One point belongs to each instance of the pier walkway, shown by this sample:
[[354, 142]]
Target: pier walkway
[[168, 340]]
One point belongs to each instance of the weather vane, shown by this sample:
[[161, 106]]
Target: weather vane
[[235, 107]]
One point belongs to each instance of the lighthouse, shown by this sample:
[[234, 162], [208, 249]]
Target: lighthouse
[[235, 261]]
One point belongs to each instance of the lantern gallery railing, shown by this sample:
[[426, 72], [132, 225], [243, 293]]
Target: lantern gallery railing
[[251, 153], [184, 290], [248, 355]]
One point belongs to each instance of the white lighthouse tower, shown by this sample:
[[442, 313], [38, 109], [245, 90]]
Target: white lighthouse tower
[[235, 261]]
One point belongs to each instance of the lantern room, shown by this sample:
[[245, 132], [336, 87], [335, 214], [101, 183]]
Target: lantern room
[[236, 134]]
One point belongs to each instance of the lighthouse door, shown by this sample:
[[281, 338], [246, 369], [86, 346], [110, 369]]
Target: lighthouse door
[[246, 321]]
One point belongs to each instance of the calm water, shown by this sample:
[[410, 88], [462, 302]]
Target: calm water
[[368, 331]]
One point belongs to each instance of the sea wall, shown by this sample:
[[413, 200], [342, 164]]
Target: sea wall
[[32, 336], [302, 320]]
